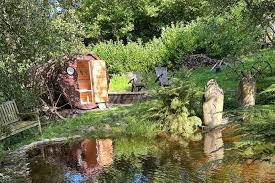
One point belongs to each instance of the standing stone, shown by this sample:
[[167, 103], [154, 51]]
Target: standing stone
[[213, 104], [247, 91]]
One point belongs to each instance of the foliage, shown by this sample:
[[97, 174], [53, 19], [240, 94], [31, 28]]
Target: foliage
[[257, 12], [135, 56], [119, 83], [223, 36], [4, 129], [133, 19], [30, 33], [258, 133], [177, 108]]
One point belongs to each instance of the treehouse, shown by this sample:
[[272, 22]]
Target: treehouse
[[84, 82]]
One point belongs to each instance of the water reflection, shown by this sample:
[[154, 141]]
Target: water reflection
[[141, 160], [78, 162], [213, 145]]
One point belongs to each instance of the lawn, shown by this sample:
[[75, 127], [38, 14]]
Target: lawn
[[117, 121]]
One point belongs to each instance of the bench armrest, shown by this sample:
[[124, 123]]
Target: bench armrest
[[131, 81], [158, 77]]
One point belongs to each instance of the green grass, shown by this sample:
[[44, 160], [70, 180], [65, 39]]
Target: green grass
[[124, 121], [120, 82]]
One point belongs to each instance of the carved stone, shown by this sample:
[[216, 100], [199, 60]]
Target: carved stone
[[213, 104], [247, 90]]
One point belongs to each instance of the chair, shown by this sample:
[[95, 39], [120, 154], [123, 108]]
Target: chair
[[162, 76], [135, 80]]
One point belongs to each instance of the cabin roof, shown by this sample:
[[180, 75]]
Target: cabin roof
[[90, 56]]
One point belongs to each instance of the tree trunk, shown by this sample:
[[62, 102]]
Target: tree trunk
[[213, 104], [247, 91]]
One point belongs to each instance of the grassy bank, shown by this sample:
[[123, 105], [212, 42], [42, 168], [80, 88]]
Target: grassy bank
[[109, 123]]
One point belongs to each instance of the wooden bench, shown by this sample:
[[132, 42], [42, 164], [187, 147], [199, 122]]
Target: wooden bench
[[11, 121]]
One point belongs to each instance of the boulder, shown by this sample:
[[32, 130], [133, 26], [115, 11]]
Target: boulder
[[213, 104]]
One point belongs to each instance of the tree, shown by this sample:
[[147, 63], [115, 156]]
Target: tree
[[133, 19], [33, 32], [258, 12]]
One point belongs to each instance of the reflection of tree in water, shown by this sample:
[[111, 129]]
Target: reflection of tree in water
[[169, 162]]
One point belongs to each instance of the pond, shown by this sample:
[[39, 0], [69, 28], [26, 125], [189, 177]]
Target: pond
[[141, 160]]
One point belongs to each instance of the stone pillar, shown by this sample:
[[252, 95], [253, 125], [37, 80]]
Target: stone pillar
[[213, 104], [247, 90]]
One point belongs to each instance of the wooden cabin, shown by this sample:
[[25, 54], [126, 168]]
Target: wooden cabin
[[84, 82]]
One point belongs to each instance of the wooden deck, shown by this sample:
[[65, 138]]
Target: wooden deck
[[127, 97]]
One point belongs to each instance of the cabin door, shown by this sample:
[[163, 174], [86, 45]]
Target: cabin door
[[100, 83], [85, 82]]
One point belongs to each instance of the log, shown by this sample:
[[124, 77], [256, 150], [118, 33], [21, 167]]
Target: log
[[213, 104]]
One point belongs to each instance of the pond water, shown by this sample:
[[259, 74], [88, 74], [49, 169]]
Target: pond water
[[140, 160]]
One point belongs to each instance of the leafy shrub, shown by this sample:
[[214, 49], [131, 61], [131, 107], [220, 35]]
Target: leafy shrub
[[222, 36], [177, 107], [11, 89], [258, 134], [219, 37], [119, 83], [135, 56]]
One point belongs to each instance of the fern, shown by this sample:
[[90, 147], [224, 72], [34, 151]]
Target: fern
[[176, 108]]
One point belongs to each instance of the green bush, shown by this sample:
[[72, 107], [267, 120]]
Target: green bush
[[222, 36], [177, 108], [135, 56], [258, 134]]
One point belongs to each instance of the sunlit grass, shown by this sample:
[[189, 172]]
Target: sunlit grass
[[122, 120], [119, 83]]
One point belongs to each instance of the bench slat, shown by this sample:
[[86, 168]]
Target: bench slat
[[14, 113], [18, 130], [7, 107], [5, 116], [8, 111], [2, 118]]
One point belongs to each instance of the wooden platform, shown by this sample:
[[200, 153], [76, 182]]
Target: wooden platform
[[127, 97]]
